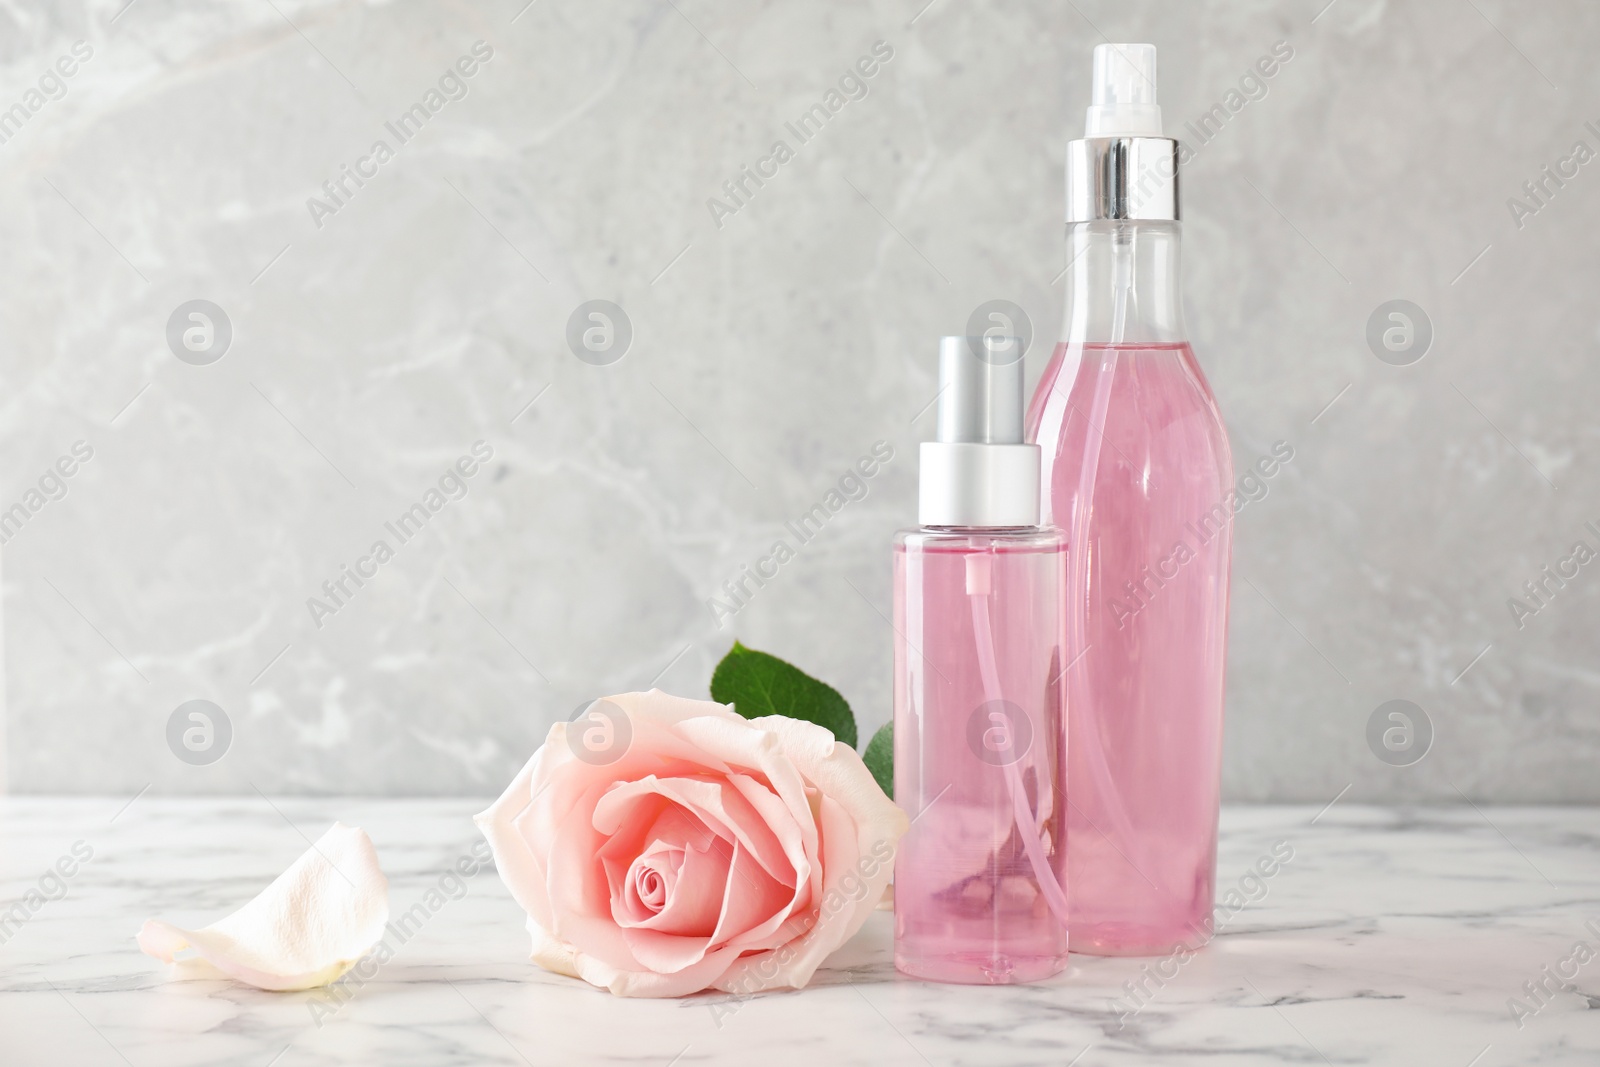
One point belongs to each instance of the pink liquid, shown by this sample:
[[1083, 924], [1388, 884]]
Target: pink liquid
[[1137, 471], [979, 739]]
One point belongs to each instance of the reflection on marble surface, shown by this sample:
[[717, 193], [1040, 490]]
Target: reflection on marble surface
[[1392, 936], [371, 347]]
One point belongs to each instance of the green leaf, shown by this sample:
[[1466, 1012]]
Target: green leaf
[[758, 684], [879, 758]]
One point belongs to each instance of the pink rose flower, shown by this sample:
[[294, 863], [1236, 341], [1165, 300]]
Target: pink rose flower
[[662, 846]]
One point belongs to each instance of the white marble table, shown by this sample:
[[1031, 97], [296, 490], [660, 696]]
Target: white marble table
[[1391, 937]]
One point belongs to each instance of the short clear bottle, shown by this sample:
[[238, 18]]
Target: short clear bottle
[[980, 756]]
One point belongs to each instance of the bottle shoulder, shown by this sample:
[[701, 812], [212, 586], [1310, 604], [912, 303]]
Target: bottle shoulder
[[971, 539], [1119, 386]]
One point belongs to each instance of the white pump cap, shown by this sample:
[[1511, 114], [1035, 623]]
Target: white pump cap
[[1123, 103], [978, 472]]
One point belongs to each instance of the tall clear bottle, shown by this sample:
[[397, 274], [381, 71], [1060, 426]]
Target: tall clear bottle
[[979, 728], [1137, 470]]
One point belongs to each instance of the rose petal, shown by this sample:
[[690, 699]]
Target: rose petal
[[306, 929], [760, 751], [694, 897], [639, 983], [667, 952], [650, 881], [754, 903], [503, 823], [618, 854], [859, 829], [579, 893], [725, 811], [750, 909]]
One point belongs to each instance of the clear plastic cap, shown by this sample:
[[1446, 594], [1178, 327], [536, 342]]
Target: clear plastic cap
[[1123, 103]]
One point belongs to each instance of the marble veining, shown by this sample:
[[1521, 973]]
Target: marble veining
[[1391, 937]]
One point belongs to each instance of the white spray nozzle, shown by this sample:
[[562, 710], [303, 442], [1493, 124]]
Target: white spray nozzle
[[1123, 103], [977, 472]]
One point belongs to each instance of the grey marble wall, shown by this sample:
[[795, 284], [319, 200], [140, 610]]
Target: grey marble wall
[[380, 333]]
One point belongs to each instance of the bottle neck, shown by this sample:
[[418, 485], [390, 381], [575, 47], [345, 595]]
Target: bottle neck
[[1122, 282]]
